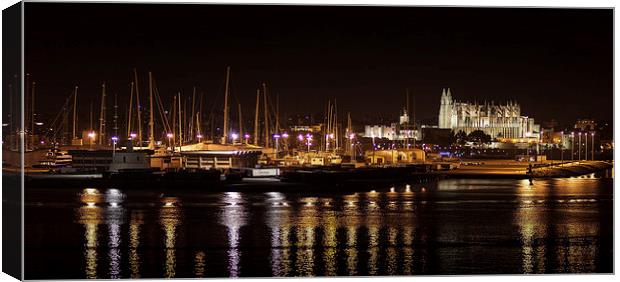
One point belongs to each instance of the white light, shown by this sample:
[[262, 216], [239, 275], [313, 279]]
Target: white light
[[234, 136]]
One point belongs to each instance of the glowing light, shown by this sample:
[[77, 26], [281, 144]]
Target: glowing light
[[91, 135], [300, 137], [247, 136], [114, 138], [133, 135], [277, 136], [285, 135], [199, 136], [169, 135], [234, 136]]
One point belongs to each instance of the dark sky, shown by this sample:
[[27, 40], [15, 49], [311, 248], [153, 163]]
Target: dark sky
[[556, 62]]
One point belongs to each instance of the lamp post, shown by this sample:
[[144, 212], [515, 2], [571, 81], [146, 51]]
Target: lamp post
[[579, 153], [585, 135], [277, 137], [199, 136], [170, 135], [247, 138], [91, 137], [351, 136], [285, 137], [308, 141], [593, 145], [234, 137], [562, 146], [114, 139], [572, 146]]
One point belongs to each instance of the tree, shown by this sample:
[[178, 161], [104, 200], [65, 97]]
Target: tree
[[461, 137], [478, 136]]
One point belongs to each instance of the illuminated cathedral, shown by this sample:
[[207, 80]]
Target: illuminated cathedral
[[497, 120]]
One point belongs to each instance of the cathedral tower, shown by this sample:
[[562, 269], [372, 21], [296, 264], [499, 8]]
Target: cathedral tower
[[445, 109]]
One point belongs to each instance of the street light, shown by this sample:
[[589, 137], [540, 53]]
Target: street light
[[114, 139], [593, 145], [234, 137], [91, 136], [579, 154], [572, 144], [308, 141], [277, 137], [562, 146], [585, 135], [247, 138], [170, 135], [351, 136]]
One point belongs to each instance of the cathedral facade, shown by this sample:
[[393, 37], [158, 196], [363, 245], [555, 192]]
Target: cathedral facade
[[499, 121]]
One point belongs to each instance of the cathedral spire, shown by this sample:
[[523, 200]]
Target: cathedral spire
[[448, 93]]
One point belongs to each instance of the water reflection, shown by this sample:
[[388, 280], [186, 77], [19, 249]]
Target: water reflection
[[279, 222], [90, 216], [169, 219], [114, 217], [508, 226], [135, 221], [234, 216], [199, 264], [307, 221]]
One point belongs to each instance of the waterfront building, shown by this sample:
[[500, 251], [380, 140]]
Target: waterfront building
[[395, 156], [402, 130], [497, 120]]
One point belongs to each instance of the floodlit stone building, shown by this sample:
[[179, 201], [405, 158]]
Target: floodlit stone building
[[499, 121]]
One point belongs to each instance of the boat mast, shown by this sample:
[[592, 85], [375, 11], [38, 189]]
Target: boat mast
[[256, 117], [240, 123], [180, 123], [138, 111], [130, 108], [116, 114], [75, 93], [151, 121], [277, 130], [408, 126], [102, 115], [225, 136], [173, 112], [266, 116], [191, 119], [34, 85]]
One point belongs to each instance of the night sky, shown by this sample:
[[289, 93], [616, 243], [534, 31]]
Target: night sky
[[557, 63]]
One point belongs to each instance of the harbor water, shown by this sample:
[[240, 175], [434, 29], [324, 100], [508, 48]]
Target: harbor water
[[447, 227]]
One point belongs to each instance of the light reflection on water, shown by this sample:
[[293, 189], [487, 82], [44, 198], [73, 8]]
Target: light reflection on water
[[548, 227]]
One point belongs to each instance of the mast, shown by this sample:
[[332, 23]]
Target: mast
[[180, 125], [266, 116], [91, 117], [151, 121], [191, 122], [139, 111], [75, 93], [240, 124], [173, 112], [277, 130], [34, 85], [130, 108], [116, 114], [225, 137], [102, 115], [256, 117], [335, 121]]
